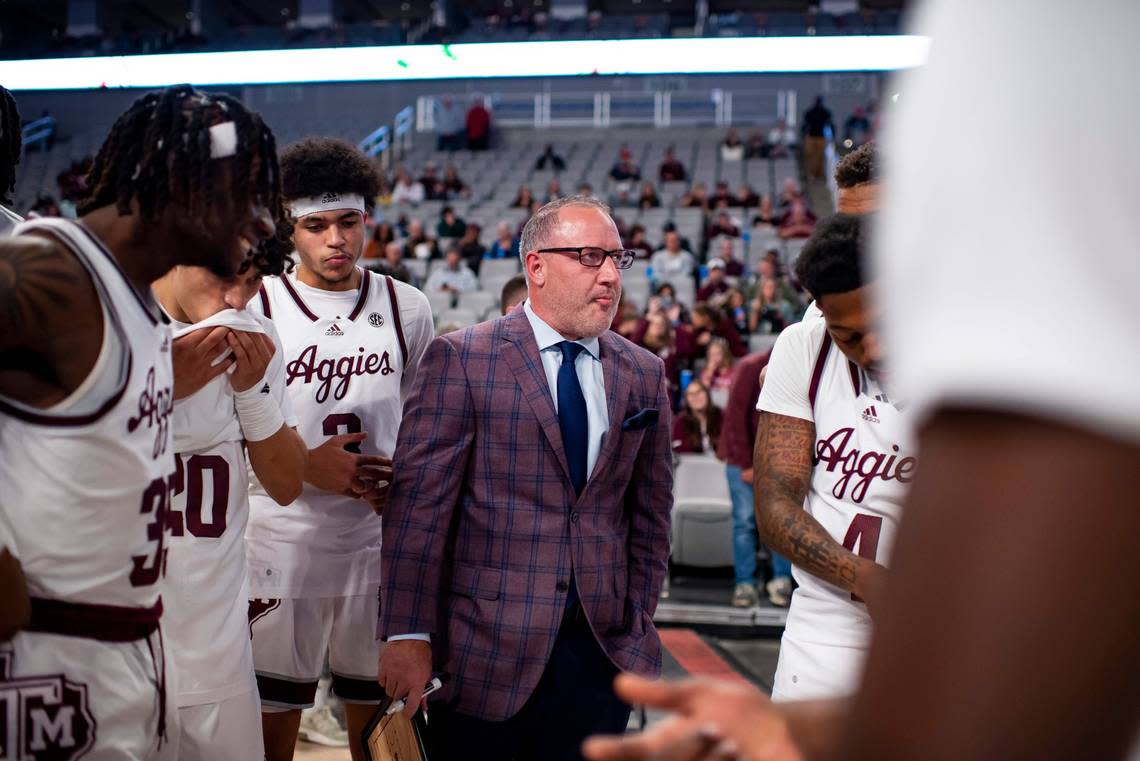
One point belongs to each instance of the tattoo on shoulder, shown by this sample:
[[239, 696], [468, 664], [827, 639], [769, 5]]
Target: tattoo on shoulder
[[35, 280]]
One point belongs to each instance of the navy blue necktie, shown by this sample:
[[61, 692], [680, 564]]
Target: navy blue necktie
[[573, 420]]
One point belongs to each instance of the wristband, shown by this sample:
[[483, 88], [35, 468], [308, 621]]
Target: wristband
[[258, 413]]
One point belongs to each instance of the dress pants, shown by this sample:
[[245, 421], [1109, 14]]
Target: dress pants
[[573, 700]]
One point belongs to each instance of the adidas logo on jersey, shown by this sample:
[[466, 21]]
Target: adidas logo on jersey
[[165, 344], [265, 389], [334, 330], [871, 415]]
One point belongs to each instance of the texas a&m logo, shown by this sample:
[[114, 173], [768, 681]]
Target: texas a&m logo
[[42, 718]]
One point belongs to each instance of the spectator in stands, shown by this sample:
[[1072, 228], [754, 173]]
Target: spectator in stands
[[418, 245], [857, 128], [382, 235], [706, 324], [770, 268], [671, 169], [478, 126], [779, 141], [764, 216], [736, 309], [514, 293], [722, 197], [671, 227], [506, 245], [449, 120], [627, 318], [556, 162], [696, 198], [523, 198], [433, 185], [73, 180], [406, 189], [745, 198], [788, 194], [625, 170], [384, 196], [393, 264], [722, 224], [45, 206], [726, 252], [454, 277], [732, 149], [717, 372], [715, 285], [672, 262], [449, 224], [754, 146], [553, 190], [770, 311], [535, 205], [797, 222], [586, 190], [637, 242], [697, 429], [648, 198], [817, 121], [470, 248], [657, 334], [453, 186]]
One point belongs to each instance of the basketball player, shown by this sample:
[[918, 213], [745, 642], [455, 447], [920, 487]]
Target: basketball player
[[830, 433], [352, 342], [207, 594], [86, 391]]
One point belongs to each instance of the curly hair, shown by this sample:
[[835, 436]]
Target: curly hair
[[11, 144], [857, 167], [158, 155], [319, 165], [832, 259]]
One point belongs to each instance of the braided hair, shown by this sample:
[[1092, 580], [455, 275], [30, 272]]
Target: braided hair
[[158, 155], [11, 145]]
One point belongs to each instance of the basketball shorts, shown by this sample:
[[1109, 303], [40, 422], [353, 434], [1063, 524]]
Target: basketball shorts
[[807, 671], [74, 697], [291, 638], [229, 730]]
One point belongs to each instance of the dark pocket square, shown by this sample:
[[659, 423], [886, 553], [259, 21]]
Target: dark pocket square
[[640, 420]]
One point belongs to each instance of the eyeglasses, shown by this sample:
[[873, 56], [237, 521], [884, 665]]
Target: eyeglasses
[[592, 256]]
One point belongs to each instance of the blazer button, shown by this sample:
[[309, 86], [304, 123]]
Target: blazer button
[[574, 516], [562, 586]]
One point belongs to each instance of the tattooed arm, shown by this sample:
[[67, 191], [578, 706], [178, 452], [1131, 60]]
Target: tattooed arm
[[51, 324], [783, 464]]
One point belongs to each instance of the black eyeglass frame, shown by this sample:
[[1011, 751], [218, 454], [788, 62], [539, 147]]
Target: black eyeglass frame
[[624, 263]]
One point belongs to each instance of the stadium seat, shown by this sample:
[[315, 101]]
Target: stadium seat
[[499, 270], [702, 513], [479, 302], [761, 342]]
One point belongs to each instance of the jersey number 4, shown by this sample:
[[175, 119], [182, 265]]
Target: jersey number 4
[[864, 531]]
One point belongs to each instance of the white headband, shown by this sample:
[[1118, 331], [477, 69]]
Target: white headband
[[302, 207]]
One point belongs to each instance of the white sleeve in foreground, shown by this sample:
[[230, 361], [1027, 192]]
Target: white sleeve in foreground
[[786, 382], [419, 330], [275, 374]]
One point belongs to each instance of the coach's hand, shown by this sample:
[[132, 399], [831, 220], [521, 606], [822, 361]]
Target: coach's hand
[[252, 353], [712, 719], [193, 355], [405, 667]]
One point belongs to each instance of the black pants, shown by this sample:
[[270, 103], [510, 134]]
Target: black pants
[[573, 700]]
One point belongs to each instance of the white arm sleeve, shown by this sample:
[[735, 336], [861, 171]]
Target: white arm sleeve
[[788, 377], [419, 330], [275, 377]]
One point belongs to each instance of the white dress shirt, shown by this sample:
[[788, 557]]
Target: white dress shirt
[[588, 365]]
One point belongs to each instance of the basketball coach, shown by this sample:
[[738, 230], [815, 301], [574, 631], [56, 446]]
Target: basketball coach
[[526, 534]]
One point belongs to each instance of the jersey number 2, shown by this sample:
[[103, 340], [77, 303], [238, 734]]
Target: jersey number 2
[[864, 530], [331, 426]]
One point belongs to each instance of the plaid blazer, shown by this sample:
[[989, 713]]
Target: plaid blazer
[[482, 526]]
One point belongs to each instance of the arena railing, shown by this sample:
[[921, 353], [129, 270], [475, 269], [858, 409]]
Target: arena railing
[[387, 140]]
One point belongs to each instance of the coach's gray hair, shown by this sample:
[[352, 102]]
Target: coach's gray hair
[[539, 227]]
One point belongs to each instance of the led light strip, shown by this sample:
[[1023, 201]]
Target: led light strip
[[724, 55]]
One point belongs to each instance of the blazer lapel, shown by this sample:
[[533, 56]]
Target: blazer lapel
[[617, 392], [521, 355]]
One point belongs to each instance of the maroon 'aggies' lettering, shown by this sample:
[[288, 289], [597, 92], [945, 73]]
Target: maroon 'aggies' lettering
[[867, 464], [155, 406], [305, 367]]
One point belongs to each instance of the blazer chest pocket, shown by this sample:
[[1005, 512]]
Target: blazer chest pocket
[[476, 582]]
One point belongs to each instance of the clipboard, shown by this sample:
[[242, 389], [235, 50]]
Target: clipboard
[[395, 737]]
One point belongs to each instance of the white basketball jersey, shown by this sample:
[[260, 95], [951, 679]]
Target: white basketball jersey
[[207, 598], [864, 459], [345, 357], [84, 497]]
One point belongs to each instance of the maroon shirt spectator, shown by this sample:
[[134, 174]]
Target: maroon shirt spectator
[[741, 419], [708, 323], [671, 169], [478, 127], [714, 284], [698, 423]]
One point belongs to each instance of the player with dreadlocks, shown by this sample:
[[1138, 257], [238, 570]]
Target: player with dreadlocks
[[87, 389], [11, 145]]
